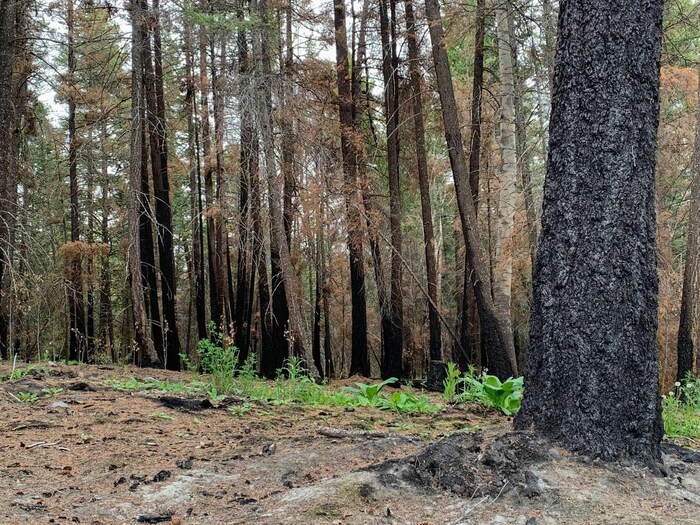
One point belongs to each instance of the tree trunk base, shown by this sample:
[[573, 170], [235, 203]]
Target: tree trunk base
[[437, 373]]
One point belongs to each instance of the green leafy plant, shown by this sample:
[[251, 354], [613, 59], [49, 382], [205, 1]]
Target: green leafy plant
[[28, 397], [368, 395], [240, 410], [248, 369], [451, 382], [219, 363], [293, 369], [161, 415], [407, 402], [51, 392], [488, 389]]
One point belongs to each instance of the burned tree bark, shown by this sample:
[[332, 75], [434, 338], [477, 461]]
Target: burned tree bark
[[591, 374]]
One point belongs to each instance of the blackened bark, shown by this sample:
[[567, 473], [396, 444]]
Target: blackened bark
[[77, 346], [424, 185], [688, 327], [592, 375], [197, 277], [244, 278], [498, 340], [7, 160], [359, 363], [392, 358], [146, 352], [164, 222]]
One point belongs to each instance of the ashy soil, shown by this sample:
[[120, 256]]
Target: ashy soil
[[94, 454]]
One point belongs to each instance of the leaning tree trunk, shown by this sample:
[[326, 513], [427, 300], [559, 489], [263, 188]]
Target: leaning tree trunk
[[592, 375], [424, 185], [688, 328], [497, 336]]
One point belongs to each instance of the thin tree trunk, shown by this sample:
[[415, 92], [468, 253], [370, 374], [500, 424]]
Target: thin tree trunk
[[424, 185], [298, 339], [147, 355], [208, 161], [349, 138], [503, 240], [107, 342], [217, 210], [470, 325], [77, 347], [498, 338], [146, 218], [392, 365], [7, 159], [689, 328], [245, 278], [161, 188], [197, 278]]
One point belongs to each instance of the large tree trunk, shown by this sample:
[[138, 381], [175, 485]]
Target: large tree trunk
[[424, 185], [392, 359], [689, 328], [106, 317], [349, 139], [592, 377], [497, 337], [147, 355]]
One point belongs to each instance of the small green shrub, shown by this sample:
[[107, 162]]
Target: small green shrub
[[28, 397], [408, 402], [368, 395], [451, 382], [488, 389], [220, 363]]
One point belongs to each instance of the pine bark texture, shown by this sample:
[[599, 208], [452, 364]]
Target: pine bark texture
[[591, 375]]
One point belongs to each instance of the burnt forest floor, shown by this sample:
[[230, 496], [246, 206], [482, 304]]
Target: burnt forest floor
[[87, 444]]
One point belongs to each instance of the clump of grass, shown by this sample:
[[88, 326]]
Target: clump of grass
[[681, 409]]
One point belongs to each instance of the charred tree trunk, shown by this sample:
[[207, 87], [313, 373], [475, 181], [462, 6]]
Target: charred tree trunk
[[161, 187], [349, 139], [298, 339], [197, 254], [245, 277], [78, 340], [498, 340], [392, 365], [7, 160], [592, 375], [424, 185], [147, 355], [146, 218]]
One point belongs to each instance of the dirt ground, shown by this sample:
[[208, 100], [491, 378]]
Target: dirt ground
[[97, 455]]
